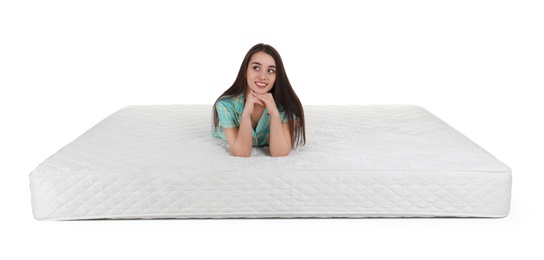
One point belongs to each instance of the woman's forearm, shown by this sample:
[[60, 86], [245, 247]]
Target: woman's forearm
[[244, 141], [280, 144]]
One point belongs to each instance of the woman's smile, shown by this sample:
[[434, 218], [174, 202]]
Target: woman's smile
[[261, 84]]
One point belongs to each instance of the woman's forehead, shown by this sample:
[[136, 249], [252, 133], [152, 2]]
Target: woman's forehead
[[263, 58]]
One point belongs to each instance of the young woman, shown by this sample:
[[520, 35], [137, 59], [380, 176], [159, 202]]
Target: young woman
[[260, 108]]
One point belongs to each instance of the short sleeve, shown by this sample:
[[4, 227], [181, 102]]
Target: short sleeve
[[226, 115], [284, 119]]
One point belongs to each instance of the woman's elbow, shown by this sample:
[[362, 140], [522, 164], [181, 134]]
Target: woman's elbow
[[240, 154], [279, 154]]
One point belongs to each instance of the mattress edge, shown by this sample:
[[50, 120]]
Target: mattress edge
[[281, 215]]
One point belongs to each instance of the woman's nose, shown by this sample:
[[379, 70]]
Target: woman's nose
[[262, 75]]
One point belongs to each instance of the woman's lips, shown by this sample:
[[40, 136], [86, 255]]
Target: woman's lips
[[261, 84]]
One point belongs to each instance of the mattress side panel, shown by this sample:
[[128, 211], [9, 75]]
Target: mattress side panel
[[264, 194]]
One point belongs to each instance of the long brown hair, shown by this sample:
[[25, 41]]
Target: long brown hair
[[284, 95]]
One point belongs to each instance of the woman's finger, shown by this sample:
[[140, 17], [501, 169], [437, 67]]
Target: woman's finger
[[256, 99], [268, 99]]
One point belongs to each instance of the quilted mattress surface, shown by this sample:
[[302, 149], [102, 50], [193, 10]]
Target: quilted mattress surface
[[359, 161]]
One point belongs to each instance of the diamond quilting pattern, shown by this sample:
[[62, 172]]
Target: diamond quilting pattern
[[360, 161]]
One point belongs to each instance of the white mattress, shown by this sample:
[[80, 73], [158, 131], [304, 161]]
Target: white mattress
[[359, 161]]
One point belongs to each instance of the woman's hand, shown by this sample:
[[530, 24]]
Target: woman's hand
[[250, 103], [280, 136], [268, 100]]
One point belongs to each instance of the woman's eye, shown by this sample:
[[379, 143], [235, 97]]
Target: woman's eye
[[271, 71], [256, 68]]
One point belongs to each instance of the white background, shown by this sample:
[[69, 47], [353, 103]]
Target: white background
[[478, 65]]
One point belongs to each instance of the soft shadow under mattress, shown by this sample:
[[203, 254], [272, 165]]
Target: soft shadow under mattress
[[161, 161]]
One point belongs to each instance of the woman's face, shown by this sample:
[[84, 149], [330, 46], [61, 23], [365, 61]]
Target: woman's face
[[261, 72]]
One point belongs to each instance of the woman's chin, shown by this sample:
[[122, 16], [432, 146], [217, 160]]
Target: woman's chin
[[260, 90]]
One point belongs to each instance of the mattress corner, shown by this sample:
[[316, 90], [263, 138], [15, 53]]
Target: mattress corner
[[417, 107], [128, 107]]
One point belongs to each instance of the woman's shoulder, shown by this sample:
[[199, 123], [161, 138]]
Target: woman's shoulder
[[232, 102]]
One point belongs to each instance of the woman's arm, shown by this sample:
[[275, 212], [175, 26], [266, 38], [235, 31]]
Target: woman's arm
[[280, 137], [240, 139]]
